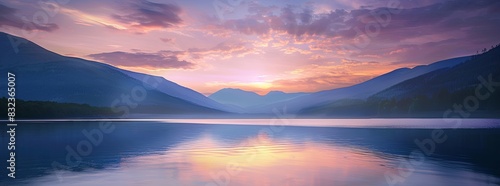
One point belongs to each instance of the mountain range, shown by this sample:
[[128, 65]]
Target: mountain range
[[42, 75], [245, 99], [468, 89], [358, 91]]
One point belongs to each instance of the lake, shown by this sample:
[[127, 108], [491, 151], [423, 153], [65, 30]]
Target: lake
[[256, 152]]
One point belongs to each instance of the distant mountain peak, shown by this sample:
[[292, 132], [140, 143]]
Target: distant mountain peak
[[233, 90], [275, 92]]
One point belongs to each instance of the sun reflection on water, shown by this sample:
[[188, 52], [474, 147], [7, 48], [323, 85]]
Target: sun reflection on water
[[263, 161]]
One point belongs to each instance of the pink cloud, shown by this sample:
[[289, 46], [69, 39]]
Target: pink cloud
[[167, 40], [223, 50]]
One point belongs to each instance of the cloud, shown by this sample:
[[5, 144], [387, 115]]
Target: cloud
[[292, 50], [298, 21], [147, 15], [167, 40], [290, 20], [224, 50], [152, 61], [452, 17], [132, 16], [312, 77], [8, 17], [415, 25], [329, 75], [427, 33], [174, 59], [87, 19]]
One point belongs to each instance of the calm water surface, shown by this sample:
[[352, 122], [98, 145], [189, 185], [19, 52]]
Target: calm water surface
[[165, 153]]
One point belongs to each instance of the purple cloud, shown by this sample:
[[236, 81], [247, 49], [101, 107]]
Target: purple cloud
[[158, 60], [451, 28], [302, 21], [294, 21], [145, 14], [8, 18], [423, 32]]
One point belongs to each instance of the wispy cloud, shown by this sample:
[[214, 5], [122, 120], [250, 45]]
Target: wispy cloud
[[88, 19], [329, 75], [224, 50], [152, 61], [133, 16]]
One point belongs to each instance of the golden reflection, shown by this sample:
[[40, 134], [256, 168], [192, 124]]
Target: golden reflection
[[263, 161]]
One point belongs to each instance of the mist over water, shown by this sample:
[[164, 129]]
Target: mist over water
[[166, 153]]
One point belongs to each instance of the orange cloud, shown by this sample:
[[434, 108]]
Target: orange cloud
[[292, 50]]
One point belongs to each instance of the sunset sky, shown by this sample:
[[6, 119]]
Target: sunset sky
[[288, 45]]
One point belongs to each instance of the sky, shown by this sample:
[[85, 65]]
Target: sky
[[258, 45]]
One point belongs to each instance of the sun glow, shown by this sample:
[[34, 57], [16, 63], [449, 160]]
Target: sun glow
[[262, 85]]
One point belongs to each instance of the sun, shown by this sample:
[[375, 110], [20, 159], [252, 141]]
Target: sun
[[262, 85]]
